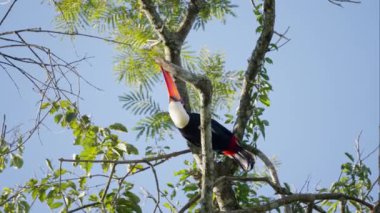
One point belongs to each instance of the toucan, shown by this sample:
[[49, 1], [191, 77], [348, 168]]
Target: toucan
[[223, 140]]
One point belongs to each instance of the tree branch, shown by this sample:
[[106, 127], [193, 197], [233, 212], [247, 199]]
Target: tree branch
[[143, 160], [255, 63], [275, 186], [8, 11], [277, 189], [40, 30], [157, 187], [272, 170], [306, 198], [84, 207], [147, 6], [190, 203], [193, 9], [108, 182], [339, 2], [225, 194]]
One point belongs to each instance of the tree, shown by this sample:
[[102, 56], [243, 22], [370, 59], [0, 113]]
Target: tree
[[148, 33]]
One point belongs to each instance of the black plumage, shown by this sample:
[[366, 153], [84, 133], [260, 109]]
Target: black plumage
[[223, 141], [221, 137]]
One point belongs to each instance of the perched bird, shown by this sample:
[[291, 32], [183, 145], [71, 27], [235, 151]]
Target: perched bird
[[223, 140]]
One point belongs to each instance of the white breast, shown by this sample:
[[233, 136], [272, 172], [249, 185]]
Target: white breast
[[178, 114]]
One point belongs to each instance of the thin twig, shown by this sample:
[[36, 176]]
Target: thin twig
[[371, 153], [357, 148], [157, 187], [338, 2], [143, 160], [40, 30], [306, 198], [8, 11], [13, 81], [11, 197], [60, 186], [108, 183], [372, 187], [3, 131], [84, 207], [279, 190], [191, 202]]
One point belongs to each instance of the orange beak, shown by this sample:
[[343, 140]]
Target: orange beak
[[172, 88]]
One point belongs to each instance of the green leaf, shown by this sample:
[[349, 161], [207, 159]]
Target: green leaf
[[58, 118], [273, 46], [122, 147], [65, 104], [190, 187], [349, 156], [48, 163], [259, 29], [82, 182], [135, 168], [170, 207], [268, 60], [54, 108], [44, 105], [16, 161], [118, 127], [70, 116], [93, 198], [132, 149], [140, 102], [59, 172], [134, 198], [89, 153], [55, 205], [264, 100], [262, 129]]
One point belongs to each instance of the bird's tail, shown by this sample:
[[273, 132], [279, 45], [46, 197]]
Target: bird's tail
[[243, 157]]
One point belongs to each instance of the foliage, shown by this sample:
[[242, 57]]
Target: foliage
[[9, 157], [58, 189], [188, 184], [69, 187], [225, 83], [354, 181], [140, 103], [94, 140]]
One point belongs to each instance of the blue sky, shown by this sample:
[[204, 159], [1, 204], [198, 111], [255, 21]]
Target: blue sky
[[325, 80]]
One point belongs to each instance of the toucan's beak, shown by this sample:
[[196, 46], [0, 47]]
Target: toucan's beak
[[172, 88]]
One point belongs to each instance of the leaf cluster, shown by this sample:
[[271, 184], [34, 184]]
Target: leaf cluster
[[188, 183], [56, 190], [9, 158], [225, 83], [354, 181], [95, 141]]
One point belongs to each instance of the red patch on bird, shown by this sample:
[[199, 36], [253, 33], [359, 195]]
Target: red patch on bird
[[228, 152], [232, 146]]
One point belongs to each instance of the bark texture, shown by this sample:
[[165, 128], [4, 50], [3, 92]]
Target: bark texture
[[245, 110]]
